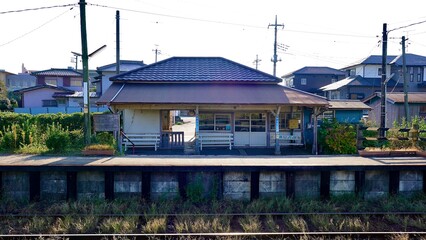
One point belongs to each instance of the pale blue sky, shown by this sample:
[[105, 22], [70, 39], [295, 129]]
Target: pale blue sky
[[318, 33]]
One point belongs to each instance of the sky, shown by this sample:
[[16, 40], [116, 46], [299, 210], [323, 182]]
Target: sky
[[332, 33]]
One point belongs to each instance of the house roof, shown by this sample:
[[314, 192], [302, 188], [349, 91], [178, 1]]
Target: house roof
[[21, 76], [398, 97], [348, 105], [196, 69], [125, 65], [73, 95], [410, 60], [199, 93], [316, 71], [372, 60], [28, 89], [358, 81], [58, 72]]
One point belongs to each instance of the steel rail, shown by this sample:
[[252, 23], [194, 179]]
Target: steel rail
[[267, 235]]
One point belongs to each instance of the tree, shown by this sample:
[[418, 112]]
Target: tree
[[5, 104]]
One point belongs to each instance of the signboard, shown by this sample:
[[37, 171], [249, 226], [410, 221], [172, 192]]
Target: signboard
[[293, 124], [106, 122]]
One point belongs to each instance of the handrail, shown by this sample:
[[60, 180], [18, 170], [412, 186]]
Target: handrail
[[125, 136]]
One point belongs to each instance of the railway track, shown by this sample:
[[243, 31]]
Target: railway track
[[263, 235]]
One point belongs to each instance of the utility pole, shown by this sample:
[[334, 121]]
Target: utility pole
[[157, 52], [383, 85], [117, 41], [85, 59], [275, 57], [256, 62], [404, 75]]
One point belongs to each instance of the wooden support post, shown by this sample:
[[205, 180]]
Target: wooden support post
[[290, 184], [71, 185], [197, 130], [359, 183], [254, 185], [182, 180], [393, 182], [1, 185], [109, 185], [34, 186], [315, 131], [325, 185], [277, 131], [146, 185]]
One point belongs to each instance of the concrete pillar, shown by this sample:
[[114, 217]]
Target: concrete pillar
[[164, 186], [290, 179], [197, 131], [376, 184], [325, 185], [16, 186], [34, 186], [410, 182], [307, 184], [71, 185], [146, 186], [109, 185], [254, 185]]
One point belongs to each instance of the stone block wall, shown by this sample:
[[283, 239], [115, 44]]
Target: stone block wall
[[53, 185], [127, 184], [272, 184], [90, 184], [307, 184], [376, 184], [16, 186], [342, 182], [236, 185], [164, 185], [410, 182]]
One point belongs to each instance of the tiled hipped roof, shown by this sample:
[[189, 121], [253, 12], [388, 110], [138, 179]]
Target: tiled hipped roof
[[58, 72], [196, 69]]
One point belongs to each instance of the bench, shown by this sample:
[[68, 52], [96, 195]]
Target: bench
[[216, 139], [141, 140]]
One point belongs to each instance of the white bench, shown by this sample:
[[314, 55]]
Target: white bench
[[215, 139], [141, 140]]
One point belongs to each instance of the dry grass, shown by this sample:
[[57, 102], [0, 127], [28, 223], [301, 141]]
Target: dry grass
[[202, 224], [155, 225], [251, 224]]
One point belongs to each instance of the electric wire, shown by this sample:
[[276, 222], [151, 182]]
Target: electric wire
[[39, 8], [35, 29]]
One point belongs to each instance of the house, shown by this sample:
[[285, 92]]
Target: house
[[311, 79], [55, 88], [364, 77], [346, 111], [395, 110], [20, 81], [228, 100], [4, 75], [105, 72]]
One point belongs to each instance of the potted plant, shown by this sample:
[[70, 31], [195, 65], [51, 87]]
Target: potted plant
[[98, 149]]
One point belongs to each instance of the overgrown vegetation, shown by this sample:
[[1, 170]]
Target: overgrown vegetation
[[46, 134], [177, 216], [337, 138]]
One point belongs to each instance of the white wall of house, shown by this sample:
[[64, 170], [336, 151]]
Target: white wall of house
[[372, 71], [35, 98], [141, 121]]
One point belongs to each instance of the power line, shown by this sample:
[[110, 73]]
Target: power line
[[39, 8], [229, 23], [35, 29], [409, 25]]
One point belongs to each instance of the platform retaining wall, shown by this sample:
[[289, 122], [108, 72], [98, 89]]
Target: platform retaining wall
[[243, 185]]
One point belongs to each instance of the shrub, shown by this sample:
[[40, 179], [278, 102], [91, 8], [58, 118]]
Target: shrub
[[337, 138], [57, 139], [104, 138]]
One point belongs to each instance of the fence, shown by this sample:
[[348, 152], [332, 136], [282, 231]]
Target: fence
[[41, 110]]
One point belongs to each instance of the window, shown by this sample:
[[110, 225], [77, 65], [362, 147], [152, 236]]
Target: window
[[419, 77], [422, 112], [352, 72], [411, 77], [258, 122], [242, 122], [51, 81], [215, 122], [335, 95], [287, 121], [50, 103], [76, 82], [303, 81], [379, 72]]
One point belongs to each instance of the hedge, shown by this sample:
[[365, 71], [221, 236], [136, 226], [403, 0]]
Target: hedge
[[74, 121]]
